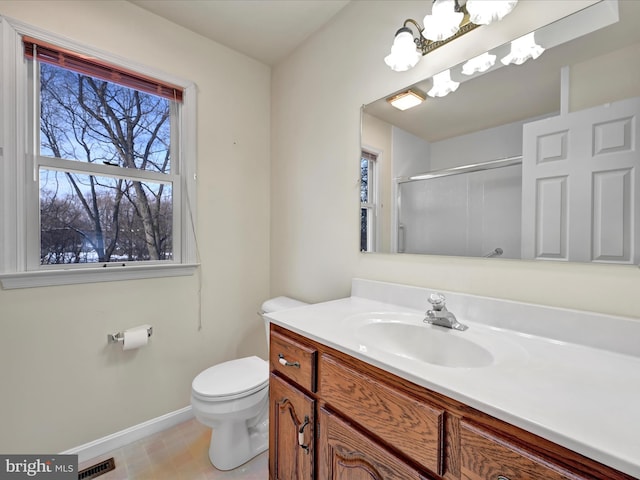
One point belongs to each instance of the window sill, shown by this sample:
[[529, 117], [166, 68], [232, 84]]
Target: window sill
[[46, 278]]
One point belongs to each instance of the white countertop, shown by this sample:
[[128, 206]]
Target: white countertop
[[581, 397]]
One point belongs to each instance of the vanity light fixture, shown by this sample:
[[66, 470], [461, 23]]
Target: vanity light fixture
[[448, 20], [522, 49], [443, 85], [479, 64], [407, 99]]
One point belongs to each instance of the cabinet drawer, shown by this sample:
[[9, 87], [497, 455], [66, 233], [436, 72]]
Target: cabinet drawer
[[294, 360], [348, 453], [488, 456], [405, 423]]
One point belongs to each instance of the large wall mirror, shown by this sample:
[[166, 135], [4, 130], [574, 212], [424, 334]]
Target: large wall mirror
[[531, 161]]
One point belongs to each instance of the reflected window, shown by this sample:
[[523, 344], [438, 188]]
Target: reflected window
[[367, 201]]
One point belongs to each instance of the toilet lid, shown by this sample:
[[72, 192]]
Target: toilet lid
[[232, 378]]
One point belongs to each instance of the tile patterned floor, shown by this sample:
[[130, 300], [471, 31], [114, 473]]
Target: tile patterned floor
[[179, 453]]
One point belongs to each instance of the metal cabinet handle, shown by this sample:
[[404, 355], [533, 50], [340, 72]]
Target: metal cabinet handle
[[301, 435], [286, 363]]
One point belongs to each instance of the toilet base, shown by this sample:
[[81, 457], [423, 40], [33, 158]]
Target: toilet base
[[234, 443]]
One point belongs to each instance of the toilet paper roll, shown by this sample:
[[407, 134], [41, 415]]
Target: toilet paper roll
[[135, 338]]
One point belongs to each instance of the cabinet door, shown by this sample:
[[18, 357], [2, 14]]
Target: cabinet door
[[347, 454], [291, 432]]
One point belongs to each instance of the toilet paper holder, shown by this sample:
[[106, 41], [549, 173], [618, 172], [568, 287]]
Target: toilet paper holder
[[119, 337]]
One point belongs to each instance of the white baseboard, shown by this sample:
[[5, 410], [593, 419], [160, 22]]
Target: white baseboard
[[129, 435]]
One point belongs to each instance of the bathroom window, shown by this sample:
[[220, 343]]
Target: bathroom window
[[109, 182], [367, 201]]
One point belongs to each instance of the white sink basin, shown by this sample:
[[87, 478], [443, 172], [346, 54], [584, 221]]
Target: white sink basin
[[406, 335]]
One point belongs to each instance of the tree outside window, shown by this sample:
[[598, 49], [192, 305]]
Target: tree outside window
[[106, 193], [367, 201], [98, 165]]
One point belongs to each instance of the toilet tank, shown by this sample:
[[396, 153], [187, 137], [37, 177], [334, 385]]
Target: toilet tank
[[276, 304]]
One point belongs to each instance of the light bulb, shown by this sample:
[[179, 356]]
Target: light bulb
[[443, 22], [522, 49], [443, 85], [404, 54], [481, 63]]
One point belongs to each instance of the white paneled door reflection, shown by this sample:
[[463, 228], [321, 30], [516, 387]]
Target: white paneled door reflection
[[580, 173]]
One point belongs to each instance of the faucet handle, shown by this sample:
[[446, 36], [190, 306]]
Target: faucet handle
[[437, 300]]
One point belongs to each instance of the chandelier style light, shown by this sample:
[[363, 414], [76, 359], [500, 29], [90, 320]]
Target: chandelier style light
[[448, 20], [443, 22], [443, 85], [404, 55], [523, 49], [479, 64]]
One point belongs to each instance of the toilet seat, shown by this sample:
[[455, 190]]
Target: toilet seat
[[232, 379]]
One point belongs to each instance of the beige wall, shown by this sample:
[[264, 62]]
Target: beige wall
[[606, 78], [317, 94], [61, 384]]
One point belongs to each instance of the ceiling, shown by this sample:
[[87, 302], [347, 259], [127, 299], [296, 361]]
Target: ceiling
[[266, 30]]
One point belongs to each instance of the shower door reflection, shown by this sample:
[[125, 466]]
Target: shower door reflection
[[468, 214]]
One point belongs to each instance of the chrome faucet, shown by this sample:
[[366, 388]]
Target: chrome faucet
[[439, 315]]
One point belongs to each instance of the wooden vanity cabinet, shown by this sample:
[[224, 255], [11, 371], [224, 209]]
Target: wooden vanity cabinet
[[292, 409], [336, 417]]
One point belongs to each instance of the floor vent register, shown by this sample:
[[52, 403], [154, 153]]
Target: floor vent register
[[97, 469]]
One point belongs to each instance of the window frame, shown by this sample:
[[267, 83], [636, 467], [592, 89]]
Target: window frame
[[18, 217], [371, 156]]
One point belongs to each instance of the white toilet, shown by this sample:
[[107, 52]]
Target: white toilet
[[233, 399]]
